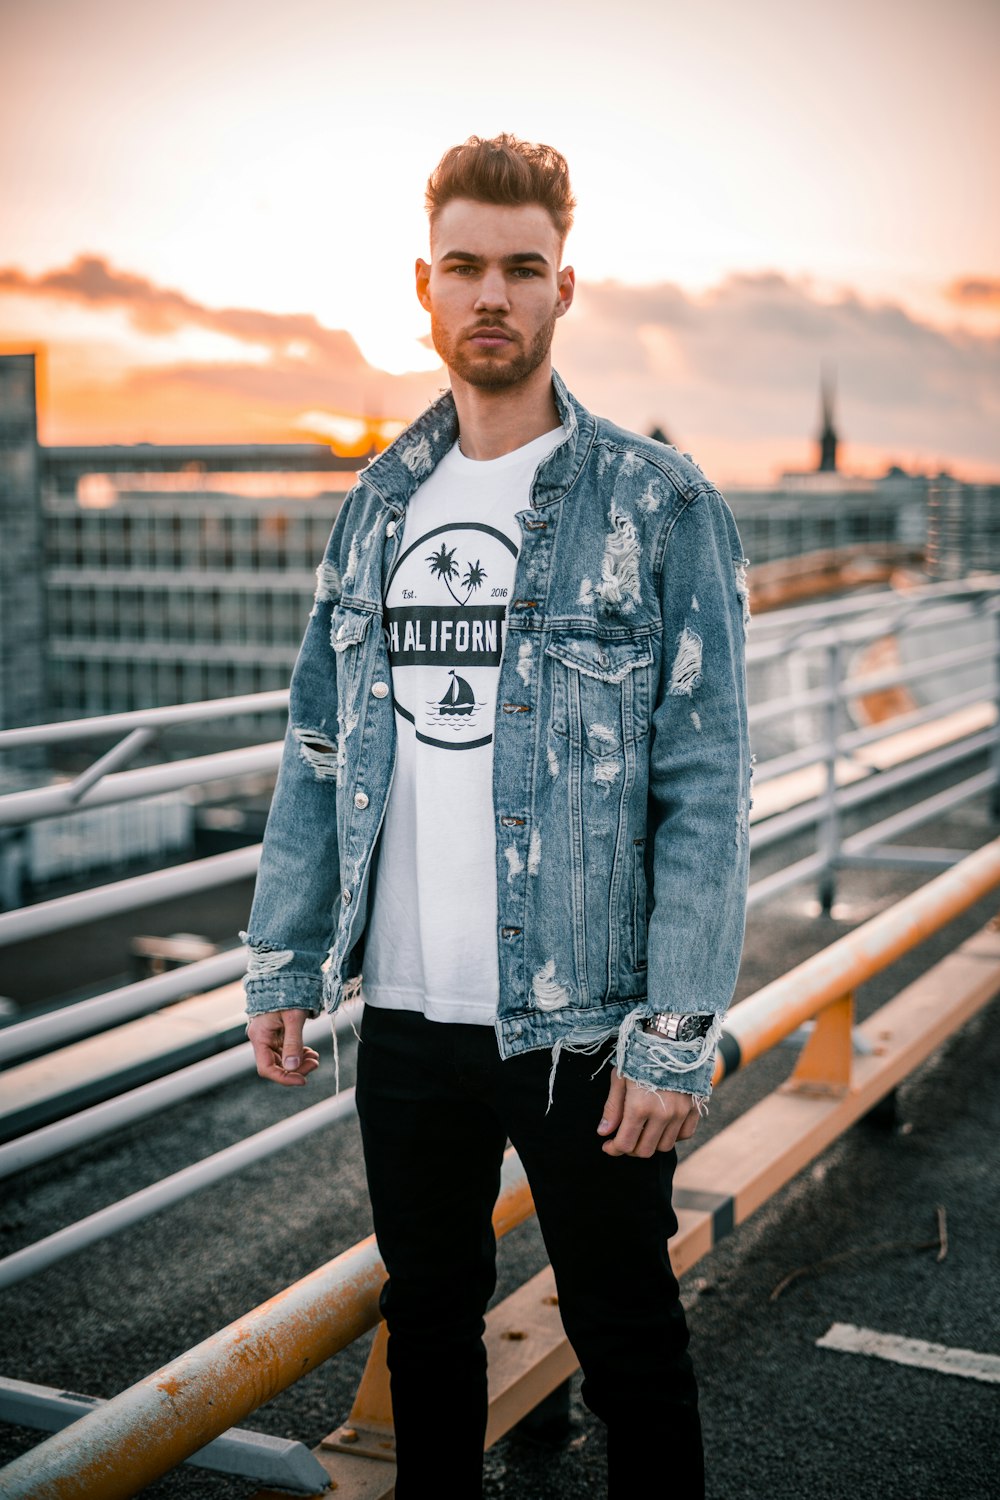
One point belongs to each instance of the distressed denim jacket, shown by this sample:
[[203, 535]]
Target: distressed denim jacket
[[621, 759]]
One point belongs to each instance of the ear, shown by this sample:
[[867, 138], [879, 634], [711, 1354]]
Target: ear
[[423, 276], [565, 287]]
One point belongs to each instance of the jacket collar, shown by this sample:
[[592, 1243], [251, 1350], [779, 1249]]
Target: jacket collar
[[405, 464]]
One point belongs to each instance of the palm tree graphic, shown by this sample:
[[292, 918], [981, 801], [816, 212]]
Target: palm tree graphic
[[443, 565]]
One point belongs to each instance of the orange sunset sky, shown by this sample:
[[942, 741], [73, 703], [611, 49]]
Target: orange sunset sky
[[209, 214]]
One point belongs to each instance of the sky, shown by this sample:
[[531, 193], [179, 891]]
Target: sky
[[209, 215]]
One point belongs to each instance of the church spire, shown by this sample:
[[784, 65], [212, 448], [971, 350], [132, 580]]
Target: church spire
[[828, 434]]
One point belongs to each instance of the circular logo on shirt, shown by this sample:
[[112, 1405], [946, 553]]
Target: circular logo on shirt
[[444, 621]]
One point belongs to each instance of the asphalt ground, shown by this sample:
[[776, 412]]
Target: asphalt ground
[[782, 1418]]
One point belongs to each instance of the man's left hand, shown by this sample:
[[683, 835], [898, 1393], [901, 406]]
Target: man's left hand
[[638, 1122]]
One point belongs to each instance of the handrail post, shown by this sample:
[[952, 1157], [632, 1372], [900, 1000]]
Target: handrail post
[[119, 755], [824, 1065], [829, 827], [995, 752], [369, 1428]]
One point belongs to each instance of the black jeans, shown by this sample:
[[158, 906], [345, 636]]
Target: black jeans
[[436, 1106]]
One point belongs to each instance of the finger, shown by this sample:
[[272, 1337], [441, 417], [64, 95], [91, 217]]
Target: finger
[[661, 1119], [264, 1058], [669, 1136], [625, 1138], [267, 1034], [681, 1128], [656, 1117], [291, 1051], [665, 1136], [649, 1138], [614, 1106], [264, 1035], [635, 1109], [269, 1066]]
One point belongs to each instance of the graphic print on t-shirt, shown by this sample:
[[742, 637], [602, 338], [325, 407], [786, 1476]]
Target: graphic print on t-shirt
[[444, 621]]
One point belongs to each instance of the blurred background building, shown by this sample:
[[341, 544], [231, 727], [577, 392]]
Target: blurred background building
[[138, 576]]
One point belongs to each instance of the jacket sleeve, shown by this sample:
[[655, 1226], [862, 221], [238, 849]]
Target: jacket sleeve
[[699, 797], [294, 911]]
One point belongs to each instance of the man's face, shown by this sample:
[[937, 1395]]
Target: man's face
[[494, 290]]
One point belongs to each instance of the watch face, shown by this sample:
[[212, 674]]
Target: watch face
[[690, 1028]]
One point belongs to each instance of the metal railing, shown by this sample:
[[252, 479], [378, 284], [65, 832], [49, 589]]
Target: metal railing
[[805, 632], [803, 629], [829, 629], [135, 1437]]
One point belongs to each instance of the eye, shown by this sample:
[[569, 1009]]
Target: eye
[[525, 271]]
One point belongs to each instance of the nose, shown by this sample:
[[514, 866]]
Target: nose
[[492, 291]]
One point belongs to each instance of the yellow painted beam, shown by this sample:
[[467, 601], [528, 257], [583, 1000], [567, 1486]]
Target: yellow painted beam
[[764, 1018], [824, 1065], [137, 1436], [718, 1186]]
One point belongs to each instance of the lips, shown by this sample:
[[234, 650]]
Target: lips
[[490, 338]]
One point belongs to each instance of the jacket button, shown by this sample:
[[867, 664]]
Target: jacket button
[[602, 658], [390, 530], [360, 799], [346, 896], [379, 689]]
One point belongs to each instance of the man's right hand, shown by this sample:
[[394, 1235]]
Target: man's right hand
[[276, 1036]]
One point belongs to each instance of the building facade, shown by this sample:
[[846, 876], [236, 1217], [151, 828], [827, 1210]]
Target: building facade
[[147, 575], [23, 688], [161, 594]]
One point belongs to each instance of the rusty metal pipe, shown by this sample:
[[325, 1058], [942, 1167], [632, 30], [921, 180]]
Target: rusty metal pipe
[[116, 1450], [113, 1452]]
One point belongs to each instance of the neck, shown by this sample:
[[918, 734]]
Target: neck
[[492, 423]]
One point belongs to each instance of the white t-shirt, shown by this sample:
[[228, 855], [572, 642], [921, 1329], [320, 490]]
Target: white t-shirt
[[432, 939]]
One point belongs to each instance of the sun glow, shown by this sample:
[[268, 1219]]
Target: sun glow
[[348, 435], [240, 265], [394, 350]]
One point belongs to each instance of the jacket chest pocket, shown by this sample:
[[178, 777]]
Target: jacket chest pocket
[[601, 691], [348, 629]]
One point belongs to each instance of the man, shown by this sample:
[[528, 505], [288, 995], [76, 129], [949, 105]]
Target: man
[[515, 788]]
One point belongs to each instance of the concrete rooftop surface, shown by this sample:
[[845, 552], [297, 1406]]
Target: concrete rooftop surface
[[783, 1418]]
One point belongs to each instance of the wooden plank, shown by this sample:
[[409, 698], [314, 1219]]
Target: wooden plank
[[528, 1352], [920, 739], [717, 1187], [98, 1067], [528, 1357], [775, 1139], [780, 793]]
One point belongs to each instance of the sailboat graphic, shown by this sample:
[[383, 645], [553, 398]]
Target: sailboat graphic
[[457, 709], [458, 697]]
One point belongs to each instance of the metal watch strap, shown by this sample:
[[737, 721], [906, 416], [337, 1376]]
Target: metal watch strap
[[678, 1025]]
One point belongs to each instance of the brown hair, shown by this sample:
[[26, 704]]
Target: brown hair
[[504, 170]]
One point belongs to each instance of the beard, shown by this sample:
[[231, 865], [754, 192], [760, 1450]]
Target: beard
[[491, 370]]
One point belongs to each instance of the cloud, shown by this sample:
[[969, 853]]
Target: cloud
[[731, 373], [156, 310], [742, 361], [981, 291], [290, 385], [306, 365]]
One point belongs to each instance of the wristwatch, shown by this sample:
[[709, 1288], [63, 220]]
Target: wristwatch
[[678, 1026]]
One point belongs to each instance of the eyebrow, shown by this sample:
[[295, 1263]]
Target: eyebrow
[[520, 258]]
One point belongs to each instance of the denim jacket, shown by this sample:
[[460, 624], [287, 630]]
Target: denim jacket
[[621, 759]]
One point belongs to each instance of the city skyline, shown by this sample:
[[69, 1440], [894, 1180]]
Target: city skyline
[[212, 237]]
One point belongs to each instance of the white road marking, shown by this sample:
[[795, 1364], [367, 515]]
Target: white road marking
[[848, 1339]]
